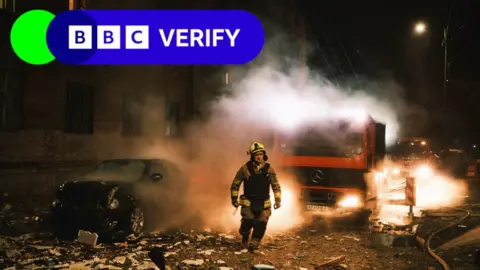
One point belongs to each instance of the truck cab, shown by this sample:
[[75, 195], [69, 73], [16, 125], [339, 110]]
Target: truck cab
[[332, 162]]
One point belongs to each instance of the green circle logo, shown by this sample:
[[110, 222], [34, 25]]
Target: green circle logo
[[29, 37]]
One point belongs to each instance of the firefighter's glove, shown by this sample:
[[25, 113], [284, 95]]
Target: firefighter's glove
[[235, 202], [277, 205]]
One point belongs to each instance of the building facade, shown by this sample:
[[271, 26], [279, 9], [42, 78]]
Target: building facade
[[59, 112]]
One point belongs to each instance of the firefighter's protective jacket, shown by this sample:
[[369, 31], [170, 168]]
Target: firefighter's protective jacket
[[256, 184]]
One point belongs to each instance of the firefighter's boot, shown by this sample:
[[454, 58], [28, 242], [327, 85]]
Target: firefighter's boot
[[253, 247], [245, 239], [245, 231], [259, 229]]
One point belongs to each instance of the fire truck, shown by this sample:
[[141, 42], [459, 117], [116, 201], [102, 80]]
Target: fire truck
[[411, 156], [332, 161]]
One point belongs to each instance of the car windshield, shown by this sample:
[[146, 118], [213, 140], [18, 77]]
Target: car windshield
[[332, 141], [118, 170], [405, 148]]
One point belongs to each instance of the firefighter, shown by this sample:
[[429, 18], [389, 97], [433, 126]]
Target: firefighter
[[256, 208]]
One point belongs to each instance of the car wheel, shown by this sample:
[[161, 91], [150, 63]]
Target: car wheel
[[137, 221], [61, 229]]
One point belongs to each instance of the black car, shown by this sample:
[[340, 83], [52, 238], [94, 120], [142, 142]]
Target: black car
[[120, 195]]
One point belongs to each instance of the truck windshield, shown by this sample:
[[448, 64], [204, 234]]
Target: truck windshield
[[406, 148], [337, 141]]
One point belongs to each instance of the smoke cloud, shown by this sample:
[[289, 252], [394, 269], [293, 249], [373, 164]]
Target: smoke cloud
[[273, 92]]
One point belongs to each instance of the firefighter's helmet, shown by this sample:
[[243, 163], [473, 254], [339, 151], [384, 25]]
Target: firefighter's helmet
[[257, 147]]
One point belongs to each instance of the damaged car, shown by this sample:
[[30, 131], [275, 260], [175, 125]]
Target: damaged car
[[119, 195]]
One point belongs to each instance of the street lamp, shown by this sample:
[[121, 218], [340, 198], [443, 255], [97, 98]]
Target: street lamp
[[420, 28]]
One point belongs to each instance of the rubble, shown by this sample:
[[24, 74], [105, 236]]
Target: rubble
[[197, 262], [332, 263], [87, 238], [296, 249], [389, 235], [263, 267]]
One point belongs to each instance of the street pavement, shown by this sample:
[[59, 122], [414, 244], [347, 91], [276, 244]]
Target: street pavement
[[26, 244]]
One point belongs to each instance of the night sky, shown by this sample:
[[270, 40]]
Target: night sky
[[381, 31], [379, 39]]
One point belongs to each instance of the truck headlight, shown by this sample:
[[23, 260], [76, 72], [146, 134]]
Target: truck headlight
[[423, 171], [350, 201]]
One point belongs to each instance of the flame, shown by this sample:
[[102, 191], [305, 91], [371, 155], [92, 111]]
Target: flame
[[290, 214], [439, 191], [432, 192]]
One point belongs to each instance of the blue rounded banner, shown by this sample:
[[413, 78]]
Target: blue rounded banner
[[144, 37]]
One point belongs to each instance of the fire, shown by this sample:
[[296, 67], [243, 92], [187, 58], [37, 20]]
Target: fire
[[432, 192], [439, 191], [435, 192], [290, 214], [227, 218]]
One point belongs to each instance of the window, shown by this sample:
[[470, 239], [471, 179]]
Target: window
[[118, 170], [172, 118], [9, 5], [78, 4], [12, 114], [132, 123], [79, 108], [327, 141]]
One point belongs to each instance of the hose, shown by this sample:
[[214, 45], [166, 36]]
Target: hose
[[429, 238]]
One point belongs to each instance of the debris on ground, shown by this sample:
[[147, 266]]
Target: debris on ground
[[263, 267], [87, 238], [333, 263], [392, 235], [299, 248]]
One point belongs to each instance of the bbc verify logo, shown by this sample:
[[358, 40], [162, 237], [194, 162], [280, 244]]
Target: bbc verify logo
[[139, 37], [80, 37]]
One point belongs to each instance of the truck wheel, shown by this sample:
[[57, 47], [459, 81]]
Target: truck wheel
[[361, 218]]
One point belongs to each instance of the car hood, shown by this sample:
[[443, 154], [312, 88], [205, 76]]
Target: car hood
[[86, 193]]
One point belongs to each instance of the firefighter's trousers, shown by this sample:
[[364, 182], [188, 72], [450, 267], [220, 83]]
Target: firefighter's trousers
[[256, 220]]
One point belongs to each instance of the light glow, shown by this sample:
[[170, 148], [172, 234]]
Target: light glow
[[357, 116], [350, 201], [379, 176], [433, 192], [290, 214], [420, 28], [424, 171], [289, 112]]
